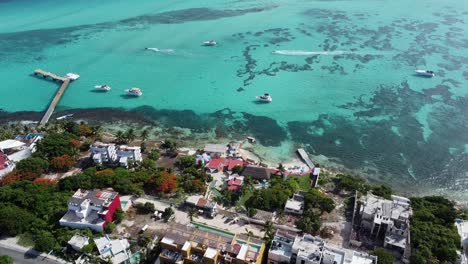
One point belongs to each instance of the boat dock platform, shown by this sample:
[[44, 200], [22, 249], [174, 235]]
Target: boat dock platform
[[53, 76], [303, 154], [65, 82]]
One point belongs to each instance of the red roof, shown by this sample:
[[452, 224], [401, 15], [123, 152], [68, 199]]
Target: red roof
[[217, 163], [235, 181], [233, 163], [201, 202], [233, 187], [3, 161]]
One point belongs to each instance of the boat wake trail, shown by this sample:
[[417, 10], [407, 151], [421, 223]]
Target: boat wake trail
[[163, 51], [308, 53]]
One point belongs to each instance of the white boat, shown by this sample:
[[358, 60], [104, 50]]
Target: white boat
[[264, 98], [134, 91], [425, 73], [210, 43], [103, 87], [72, 76], [63, 117]]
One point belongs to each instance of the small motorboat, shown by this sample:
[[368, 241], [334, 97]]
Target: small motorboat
[[210, 43], [264, 98], [426, 73], [134, 91], [103, 87], [72, 76]]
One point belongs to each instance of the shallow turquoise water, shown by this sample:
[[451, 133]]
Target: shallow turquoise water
[[358, 104]]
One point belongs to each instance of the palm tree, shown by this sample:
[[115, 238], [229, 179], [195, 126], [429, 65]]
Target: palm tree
[[192, 212], [281, 168], [269, 229], [130, 135], [249, 233], [144, 134], [120, 137]]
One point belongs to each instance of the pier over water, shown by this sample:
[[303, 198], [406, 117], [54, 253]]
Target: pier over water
[[65, 82]]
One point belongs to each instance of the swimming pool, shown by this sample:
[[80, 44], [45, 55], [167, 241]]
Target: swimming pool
[[213, 230], [123, 203]]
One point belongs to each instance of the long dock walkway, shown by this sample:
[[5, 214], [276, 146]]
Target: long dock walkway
[[65, 82], [303, 154]]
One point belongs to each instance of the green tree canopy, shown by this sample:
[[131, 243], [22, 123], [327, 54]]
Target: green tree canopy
[[434, 237], [14, 220], [383, 257], [316, 199], [55, 145], [6, 259]]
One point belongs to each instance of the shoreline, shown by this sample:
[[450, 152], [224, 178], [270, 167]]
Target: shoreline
[[114, 119]]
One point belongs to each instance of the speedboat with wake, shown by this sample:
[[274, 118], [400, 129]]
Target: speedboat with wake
[[264, 98], [426, 73], [103, 87], [210, 43], [134, 91]]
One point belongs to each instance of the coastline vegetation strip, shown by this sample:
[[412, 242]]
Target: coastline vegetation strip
[[212, 229]]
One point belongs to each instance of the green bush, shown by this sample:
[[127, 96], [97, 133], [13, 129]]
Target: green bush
[[119, 215], [6, 259], [383, 257], [109, 228]]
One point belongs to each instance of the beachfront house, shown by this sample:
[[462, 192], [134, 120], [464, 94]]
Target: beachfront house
[[115, 250], [287, 248], [206, 245], [215, 150], [295, 205], [387, 219], [217, 165], [15, 150], [91, 209], [110, 153], [127, 153], [258, 173], [103, 153]]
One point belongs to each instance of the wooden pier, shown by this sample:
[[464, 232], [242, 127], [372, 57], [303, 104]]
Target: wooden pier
[[53, 76], [65, 82], [303, 154]]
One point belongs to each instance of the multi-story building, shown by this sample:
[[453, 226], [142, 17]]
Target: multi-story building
[[102, 152], [389, 219], [115, 250], [125, 153], [189, 245], [91, 209], [109, 153], [286, 248]]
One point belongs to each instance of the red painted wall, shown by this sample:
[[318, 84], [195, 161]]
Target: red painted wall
[[112, 207]]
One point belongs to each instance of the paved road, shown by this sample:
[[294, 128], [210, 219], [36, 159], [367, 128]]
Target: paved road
[[29, 257]]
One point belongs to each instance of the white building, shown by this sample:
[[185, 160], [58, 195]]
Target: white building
[[91, 209], [295, 205], [102, 152], [78, 241], [126, 153], [215, 150], [462, 226], [307, 249], [114, 250], [13, 151], [109, 153], [391, 217]]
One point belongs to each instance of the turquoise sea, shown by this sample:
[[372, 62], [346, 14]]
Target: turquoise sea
[[341, 76]]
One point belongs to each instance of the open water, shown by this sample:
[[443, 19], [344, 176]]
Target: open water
[[340, 74]]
